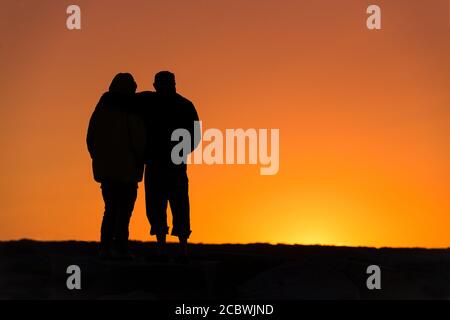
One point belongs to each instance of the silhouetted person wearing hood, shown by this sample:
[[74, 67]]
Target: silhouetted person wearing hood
[[166, 182], [116, 142]]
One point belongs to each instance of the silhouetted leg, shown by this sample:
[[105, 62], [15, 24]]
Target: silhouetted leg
[[109, 216], [183, 246], [179, 204], [127, 198], [156, 202], [161, 246]]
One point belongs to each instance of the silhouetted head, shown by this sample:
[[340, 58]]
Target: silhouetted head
[[165, 82], [123, 83]]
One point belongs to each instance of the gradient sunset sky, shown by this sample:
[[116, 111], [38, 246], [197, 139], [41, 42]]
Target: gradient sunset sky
[[364, 116]]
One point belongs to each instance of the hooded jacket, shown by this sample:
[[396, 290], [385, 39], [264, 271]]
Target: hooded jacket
[[116, 139]]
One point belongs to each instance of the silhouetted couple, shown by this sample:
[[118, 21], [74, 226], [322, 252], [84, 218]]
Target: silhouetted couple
[[126, 131]]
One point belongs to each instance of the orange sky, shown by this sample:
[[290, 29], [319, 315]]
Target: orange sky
[[363, 115]]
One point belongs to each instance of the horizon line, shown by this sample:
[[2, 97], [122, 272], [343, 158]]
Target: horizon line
[[237, 244]]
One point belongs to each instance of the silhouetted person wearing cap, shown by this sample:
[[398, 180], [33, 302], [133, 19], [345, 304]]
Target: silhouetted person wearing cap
[[165, 182], [116, 142]]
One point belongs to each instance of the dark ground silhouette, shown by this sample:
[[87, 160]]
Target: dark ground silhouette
[[37, 270]]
